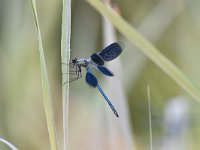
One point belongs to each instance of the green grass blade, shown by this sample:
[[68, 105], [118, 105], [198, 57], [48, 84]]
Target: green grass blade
[[150, 122], [10, 145], [45, 84], [148, 49], [65, 56]]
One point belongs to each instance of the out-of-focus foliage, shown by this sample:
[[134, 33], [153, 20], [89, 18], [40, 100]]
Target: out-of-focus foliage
[[22, 118]]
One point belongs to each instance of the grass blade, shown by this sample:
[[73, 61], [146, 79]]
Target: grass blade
[[8, 144], [45, 84], [148, 49], [150, 124], [65, 56]]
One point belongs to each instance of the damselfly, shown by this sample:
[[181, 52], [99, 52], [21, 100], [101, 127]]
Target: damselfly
[[97, 61]]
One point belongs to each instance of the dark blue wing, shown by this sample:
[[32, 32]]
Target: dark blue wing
[[97, 59], [111, 52], [105, 71], [91, 79]]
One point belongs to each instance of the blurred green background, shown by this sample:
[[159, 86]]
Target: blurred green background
[[172, 26]]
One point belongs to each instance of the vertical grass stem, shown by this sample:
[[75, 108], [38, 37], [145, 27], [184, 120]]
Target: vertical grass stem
[[65, 56]]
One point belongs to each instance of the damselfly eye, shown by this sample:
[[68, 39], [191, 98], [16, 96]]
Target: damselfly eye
[[74, 60]]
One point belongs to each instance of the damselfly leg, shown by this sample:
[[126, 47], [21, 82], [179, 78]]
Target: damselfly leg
[[77, 73]]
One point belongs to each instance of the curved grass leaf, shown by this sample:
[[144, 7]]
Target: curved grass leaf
[[45, 84], [8, 144]]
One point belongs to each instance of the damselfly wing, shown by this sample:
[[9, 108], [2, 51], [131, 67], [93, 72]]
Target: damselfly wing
[[107, 54], [105, 71], [111, 52], [91, 79], [97, 59]]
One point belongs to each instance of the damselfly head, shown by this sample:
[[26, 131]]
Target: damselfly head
[[74, 60]]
